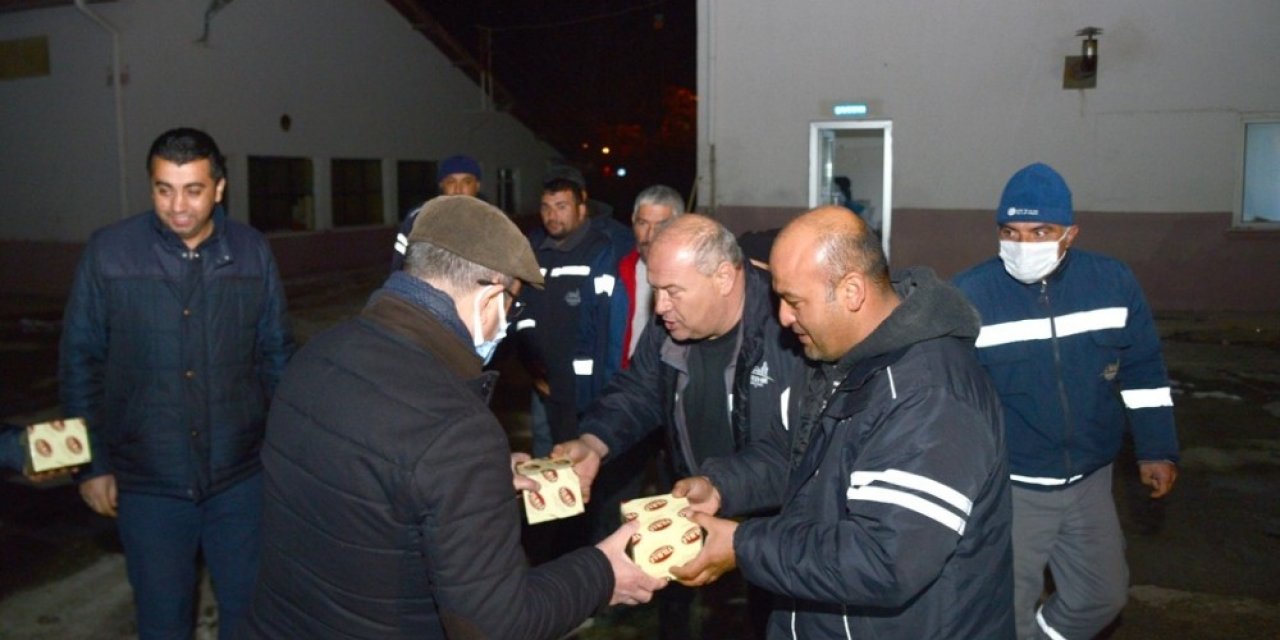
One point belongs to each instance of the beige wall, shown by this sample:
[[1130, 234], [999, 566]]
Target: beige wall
[[1185, 261]]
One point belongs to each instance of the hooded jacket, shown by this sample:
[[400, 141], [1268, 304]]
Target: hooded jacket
[[388, 510], [171, 354], [895, 519], [645, 396], [1075, 357]]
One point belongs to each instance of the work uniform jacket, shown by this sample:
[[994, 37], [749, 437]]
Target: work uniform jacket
[[171, 354], [1076, 359], [895, 519], [389, 511], [572, 329]]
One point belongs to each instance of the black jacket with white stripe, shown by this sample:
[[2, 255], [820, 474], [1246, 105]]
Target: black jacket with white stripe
[[896, 515]]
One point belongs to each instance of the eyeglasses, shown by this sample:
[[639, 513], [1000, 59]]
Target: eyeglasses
[[515, 308]]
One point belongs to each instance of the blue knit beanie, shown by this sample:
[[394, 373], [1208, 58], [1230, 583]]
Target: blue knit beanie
[[1036, 193], [458, 164]]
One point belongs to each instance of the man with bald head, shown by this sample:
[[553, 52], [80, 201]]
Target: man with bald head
[[712, 373], [895, 494]]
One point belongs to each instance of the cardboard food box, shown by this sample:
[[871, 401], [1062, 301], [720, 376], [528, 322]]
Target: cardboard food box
[[55, 445], [560, 493], [666, 539]]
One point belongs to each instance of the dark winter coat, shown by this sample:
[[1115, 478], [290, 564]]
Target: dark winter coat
[[171, 355], [572, 329], [895, 519], [389, 507], [1076, 359]]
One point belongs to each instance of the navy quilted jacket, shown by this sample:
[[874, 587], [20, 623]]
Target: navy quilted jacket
[[171, 354]]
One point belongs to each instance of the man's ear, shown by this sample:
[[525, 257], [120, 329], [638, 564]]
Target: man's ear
[[851, 291], [218, 189], [724, 277], [1069, 237]]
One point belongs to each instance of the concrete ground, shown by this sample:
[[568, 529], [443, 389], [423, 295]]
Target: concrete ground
[[1203, 562]]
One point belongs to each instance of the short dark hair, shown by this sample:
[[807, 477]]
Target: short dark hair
[[556, 185], [183, 145]]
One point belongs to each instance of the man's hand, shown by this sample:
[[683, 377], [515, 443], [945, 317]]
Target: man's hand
[[703, 496], [715, 559], [522, 483], [543, 387], [1159, 475], [586, 454], [100, 494], [630, 584]]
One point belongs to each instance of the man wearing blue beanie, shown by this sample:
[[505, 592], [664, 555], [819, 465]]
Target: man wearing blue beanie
[[1071, 346], [457, 175]]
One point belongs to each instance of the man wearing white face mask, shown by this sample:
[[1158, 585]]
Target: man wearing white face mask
[[1070, 343], [389, 509]]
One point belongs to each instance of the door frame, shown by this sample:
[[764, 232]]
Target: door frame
[[819, 167]]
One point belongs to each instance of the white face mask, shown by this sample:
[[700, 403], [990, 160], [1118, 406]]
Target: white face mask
[[1030, 261], [485, 348]]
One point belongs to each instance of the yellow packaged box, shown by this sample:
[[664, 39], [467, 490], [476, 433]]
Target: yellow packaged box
[[666, 539], [560, 493], [55, 445]]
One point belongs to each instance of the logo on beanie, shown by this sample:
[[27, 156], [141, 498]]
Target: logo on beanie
[[1015, 211]]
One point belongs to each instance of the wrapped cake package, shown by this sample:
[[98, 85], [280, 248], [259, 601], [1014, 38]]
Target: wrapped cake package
[[666, 539], [560, 494], [55, 445]]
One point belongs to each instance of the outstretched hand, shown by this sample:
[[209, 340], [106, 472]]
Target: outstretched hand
[[630, 585], [586, 454], [716, 558], [703, 496], [519, 482]]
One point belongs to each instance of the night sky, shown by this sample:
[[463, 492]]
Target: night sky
[[617, 73]]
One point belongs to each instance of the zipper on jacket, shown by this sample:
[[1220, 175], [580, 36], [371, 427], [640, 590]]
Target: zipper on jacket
[[1057, 370]]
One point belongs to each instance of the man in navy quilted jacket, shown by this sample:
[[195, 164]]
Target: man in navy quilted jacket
[[1069, 341], [173, 340]]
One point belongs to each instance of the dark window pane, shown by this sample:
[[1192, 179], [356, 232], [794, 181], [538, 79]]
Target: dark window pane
[[280, 196]]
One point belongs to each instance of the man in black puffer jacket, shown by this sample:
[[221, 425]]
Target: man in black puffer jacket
[[895, 519], [389, 503]]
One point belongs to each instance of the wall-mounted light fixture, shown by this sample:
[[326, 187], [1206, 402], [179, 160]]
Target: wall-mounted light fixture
[[1081, 72]]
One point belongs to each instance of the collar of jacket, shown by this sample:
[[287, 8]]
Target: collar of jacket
[[929, 308], [424, 328], [759, 307]]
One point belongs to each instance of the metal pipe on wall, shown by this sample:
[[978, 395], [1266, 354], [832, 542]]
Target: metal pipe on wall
[[117, 86]]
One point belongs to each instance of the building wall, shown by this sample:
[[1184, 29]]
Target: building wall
[[974, 91], [353, 76]]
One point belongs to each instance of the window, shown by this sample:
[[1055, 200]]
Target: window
[[280, 196], [415, 184], [1259, 197], [357, 192], [507, 191]]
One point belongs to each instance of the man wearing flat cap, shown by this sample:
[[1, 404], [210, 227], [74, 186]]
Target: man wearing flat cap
[[457, 175], [389, 509]]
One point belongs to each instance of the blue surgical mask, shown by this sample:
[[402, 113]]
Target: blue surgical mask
[[485, 348]]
